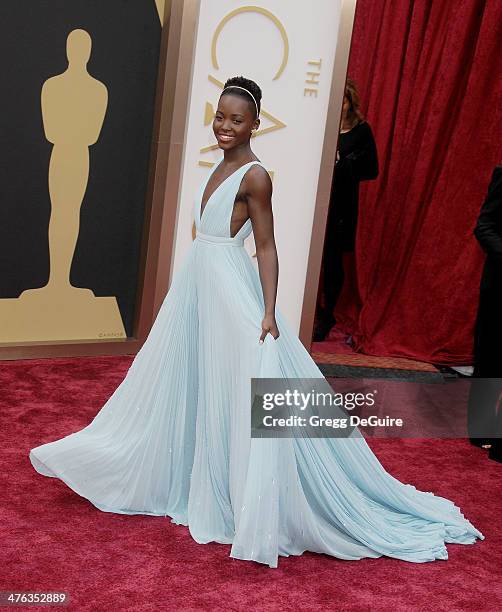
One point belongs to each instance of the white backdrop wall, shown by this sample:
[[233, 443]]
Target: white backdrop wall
[[278, 44]]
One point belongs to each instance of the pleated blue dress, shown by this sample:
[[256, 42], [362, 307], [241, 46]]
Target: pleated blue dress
[[174, 439]]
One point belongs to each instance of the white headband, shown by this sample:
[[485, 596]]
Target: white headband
[[246, 90]]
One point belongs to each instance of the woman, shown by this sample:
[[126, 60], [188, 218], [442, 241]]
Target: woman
[[174, 438], [485, 394], [356, 161]]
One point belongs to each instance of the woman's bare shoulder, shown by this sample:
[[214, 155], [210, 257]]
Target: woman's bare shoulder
[[258, 179]]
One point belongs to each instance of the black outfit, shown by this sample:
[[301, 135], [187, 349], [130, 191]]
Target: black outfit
[[488, 333], [358, 162]]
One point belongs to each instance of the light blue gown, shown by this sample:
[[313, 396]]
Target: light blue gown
[[174, 438]]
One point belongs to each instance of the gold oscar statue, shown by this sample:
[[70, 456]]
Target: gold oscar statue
[[73, 110], [160, 9]]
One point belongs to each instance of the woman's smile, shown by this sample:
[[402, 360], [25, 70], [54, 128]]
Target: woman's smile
[[224, 137]]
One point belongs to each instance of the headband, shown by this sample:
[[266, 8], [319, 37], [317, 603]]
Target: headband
[[246, 90]]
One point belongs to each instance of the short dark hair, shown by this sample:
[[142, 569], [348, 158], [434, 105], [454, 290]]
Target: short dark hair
[[248, 84]]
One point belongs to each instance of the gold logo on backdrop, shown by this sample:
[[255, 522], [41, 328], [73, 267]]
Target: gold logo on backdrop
[[261, 11], [209, 111], [73, 110]]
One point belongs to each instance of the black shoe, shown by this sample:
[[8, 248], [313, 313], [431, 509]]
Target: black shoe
[[323, 327], [481, 442], [495, 452], [320, 334]]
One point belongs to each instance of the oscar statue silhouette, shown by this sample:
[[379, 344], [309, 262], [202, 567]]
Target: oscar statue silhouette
[[74, 105]]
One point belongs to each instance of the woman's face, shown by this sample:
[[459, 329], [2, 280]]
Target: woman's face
[[346, 106], [233, 121]]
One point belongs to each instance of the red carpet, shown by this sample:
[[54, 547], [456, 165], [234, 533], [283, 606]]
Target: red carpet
[[336, 350], [54, 540], [369, 361]]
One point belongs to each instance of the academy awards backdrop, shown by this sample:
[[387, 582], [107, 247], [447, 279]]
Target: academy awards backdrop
[[78, 94]]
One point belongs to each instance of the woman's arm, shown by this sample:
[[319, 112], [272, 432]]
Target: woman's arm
[[361, 164], [259, 202], [489, 225]]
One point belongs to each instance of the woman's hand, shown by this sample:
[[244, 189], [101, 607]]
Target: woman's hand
[[269, 326]]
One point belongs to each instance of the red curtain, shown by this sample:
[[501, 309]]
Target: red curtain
[[430, 76]]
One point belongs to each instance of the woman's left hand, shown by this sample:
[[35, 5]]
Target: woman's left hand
[[269, 326]]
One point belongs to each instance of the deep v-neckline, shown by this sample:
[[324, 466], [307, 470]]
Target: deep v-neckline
[[203, 208]]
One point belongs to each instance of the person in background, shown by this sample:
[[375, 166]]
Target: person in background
[[356, 161], [486, 395]]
